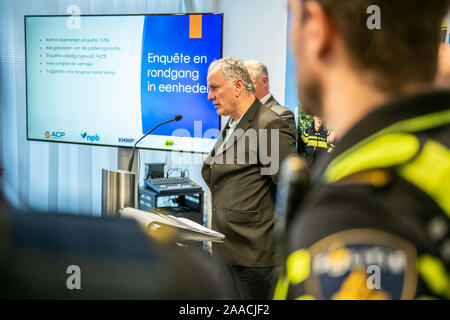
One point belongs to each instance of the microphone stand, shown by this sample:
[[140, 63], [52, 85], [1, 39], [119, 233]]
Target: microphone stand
[[119, 186], [130, 163]]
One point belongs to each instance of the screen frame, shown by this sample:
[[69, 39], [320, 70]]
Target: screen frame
[[113, 15]]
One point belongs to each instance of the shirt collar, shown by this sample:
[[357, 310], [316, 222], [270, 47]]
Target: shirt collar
[[232, 124], [396, 110], [266, 98]]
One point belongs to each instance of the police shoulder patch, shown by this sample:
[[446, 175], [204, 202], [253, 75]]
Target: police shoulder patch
[[362, 264]]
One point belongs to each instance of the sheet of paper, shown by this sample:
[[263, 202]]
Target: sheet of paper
[[186, 229]]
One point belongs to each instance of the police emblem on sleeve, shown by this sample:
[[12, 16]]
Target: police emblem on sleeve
[[362, 264]]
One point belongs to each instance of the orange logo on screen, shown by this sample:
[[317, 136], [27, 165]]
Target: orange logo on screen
[[47, 134], [195, 26]]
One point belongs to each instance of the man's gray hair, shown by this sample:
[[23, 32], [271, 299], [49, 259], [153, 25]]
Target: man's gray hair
[[233, 69], [258, 67]]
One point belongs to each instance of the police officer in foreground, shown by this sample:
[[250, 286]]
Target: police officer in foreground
[[376, 224]]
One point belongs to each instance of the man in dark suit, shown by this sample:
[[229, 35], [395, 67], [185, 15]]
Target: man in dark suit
[[242, 179], [260, 77]]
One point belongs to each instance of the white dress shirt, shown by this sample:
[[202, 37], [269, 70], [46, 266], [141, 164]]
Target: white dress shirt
[[232, 125], [266, 98]]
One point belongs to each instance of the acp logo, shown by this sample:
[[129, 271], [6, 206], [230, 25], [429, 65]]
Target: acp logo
[[54, 134], [91, 138], [125, 140]]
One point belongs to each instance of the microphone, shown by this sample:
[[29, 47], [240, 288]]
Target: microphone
[[130, 163]]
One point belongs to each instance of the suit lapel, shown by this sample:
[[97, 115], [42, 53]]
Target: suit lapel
[[243, 125], [219, 141], [271, 102]]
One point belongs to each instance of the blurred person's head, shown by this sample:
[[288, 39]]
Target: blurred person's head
[[443, 74], [230, 87], [340, 60], [260, 77], [317, 123]]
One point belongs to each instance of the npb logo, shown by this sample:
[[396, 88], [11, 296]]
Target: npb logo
[[91, 138]]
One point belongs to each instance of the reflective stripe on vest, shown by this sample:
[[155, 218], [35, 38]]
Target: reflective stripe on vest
[[407, 126], [433, 272], [428, 170]]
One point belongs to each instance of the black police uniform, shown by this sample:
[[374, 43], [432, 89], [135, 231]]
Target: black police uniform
[[314, 143], [376, 225]]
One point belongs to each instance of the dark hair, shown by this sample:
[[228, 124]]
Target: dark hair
[[404, 50]]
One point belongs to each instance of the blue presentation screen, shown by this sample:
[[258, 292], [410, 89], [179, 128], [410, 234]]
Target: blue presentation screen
[[107, 80]]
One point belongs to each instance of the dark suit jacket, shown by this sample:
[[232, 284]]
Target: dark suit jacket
[[242, 198], [285, 114]]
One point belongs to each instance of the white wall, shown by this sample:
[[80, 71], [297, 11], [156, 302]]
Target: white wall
[[256, 29]]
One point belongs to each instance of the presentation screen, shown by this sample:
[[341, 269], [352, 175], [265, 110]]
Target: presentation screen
[[107, 80]]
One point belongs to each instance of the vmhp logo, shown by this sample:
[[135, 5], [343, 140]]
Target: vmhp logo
[[125, 140], [91, 138]]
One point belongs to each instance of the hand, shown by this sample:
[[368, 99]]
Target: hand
[[331, 137]]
